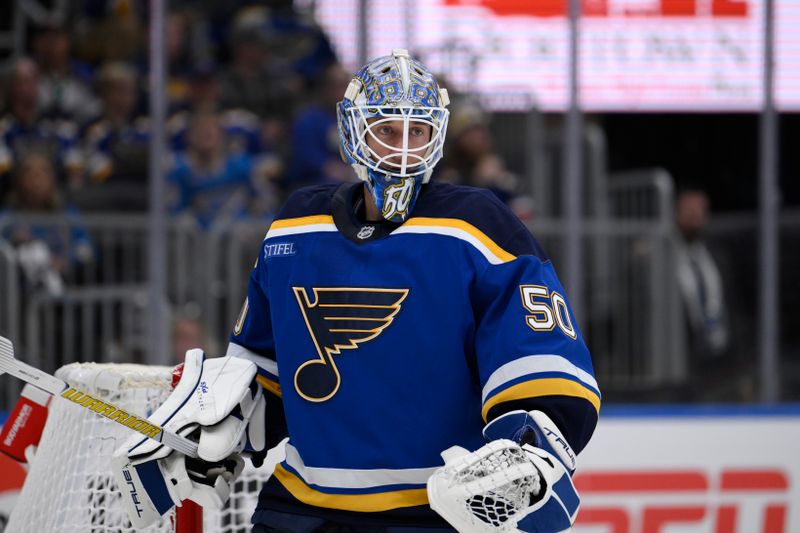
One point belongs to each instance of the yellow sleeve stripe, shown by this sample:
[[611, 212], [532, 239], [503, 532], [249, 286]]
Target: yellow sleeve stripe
[[301, 221], [365, 503], [270, 385], [466, 227], [542, 387]]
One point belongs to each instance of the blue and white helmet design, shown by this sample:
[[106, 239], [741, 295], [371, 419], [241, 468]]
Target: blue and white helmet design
[[390, 89]]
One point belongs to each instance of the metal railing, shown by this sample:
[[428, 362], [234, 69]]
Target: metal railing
[[83, 322], [9, 317], [100, 315], [631, 320], [9, 295], [115, 249], [632, 316]]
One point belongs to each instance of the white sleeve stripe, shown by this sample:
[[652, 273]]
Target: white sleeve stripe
[[342, 478], [310, 228], [536, 364], [236, 350], [452, 232]]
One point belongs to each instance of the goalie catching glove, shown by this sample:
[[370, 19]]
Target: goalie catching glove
[[520, 481], [217, 402]]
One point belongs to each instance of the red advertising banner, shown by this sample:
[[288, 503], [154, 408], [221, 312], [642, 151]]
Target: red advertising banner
[[715, 474]]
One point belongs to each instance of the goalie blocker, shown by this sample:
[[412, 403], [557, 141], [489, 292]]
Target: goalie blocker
[[524, 484], [217, 402]]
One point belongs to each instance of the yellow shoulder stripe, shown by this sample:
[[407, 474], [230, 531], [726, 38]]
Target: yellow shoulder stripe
[[270, 385], [542, 387], [301, 221], [370, 503], [466, 227]]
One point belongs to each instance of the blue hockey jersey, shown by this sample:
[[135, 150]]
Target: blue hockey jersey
[[388, 343]]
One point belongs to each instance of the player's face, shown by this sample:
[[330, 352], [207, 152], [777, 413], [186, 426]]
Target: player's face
[[385, 140]]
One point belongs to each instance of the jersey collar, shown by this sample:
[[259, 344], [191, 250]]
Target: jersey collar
[[344, 207]]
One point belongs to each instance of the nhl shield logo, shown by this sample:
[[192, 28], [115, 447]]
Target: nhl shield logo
[[366, 232]]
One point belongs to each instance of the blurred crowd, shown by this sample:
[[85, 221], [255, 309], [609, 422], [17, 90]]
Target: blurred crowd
[[251, 96]]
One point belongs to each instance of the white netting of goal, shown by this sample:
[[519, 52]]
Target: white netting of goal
[[70, 488]]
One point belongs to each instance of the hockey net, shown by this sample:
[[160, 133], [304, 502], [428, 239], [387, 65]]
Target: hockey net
[[70, 488]]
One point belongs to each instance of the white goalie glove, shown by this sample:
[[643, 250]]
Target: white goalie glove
[[505, 486], [217, 402]]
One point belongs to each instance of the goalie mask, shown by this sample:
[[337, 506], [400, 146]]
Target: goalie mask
[[393, 95]]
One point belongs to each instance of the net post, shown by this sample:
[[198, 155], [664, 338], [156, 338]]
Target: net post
[[189, 518]]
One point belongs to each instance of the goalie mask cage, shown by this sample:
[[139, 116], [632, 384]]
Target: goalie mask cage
[[70, 487]]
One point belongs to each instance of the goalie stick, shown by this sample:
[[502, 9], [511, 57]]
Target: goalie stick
[[56, 386]]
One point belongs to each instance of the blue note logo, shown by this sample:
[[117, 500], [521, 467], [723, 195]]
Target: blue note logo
[[340, 319]]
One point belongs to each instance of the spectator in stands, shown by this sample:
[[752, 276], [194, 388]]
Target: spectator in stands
[[295, 41], [46, 251], [204, 91], [700, 282], [315, 139], [278, 57], [249, 82], [110, 30], [64, 91], [22, 131], [258, 81], [472, 160], [181, 57], [242, 128], [210, 184], [116, 145]]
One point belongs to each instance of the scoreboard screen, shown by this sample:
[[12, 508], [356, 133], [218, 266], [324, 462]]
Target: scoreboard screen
[[635, 55]]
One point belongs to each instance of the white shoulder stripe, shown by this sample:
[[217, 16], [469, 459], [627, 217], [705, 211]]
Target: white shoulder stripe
[[237, 350], [342, 478], [294, 230], [453, 232], [536, 364]]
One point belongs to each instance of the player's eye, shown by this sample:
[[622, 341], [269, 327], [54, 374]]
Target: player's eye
[[384, 130]]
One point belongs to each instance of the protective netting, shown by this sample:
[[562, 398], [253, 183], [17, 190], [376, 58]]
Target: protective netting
[[235, 518], [70, 488]]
